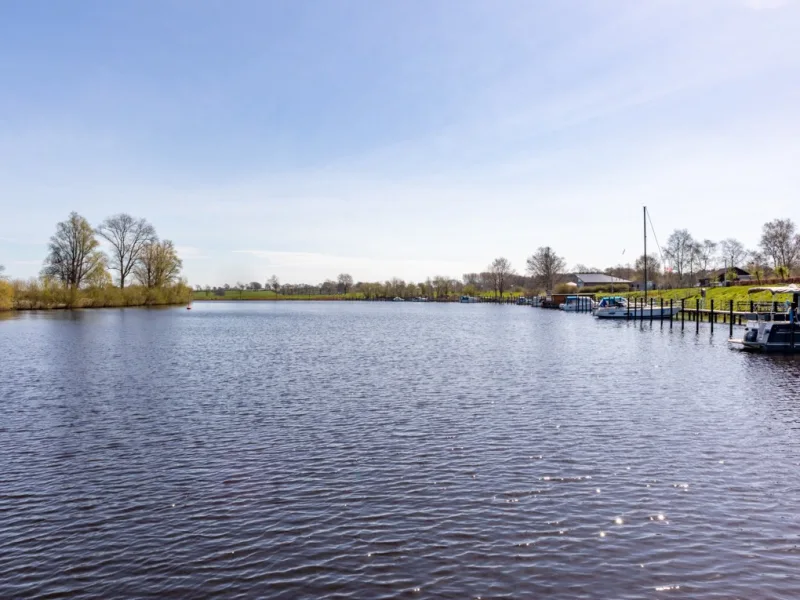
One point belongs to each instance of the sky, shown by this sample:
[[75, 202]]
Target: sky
[[396, 139]]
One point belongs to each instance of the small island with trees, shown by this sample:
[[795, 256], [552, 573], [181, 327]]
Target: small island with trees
[[138, 268]]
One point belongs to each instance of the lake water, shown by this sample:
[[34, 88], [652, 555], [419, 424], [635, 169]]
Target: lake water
[[384, 450]]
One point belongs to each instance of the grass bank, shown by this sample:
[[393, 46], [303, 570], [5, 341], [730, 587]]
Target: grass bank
[[721, 296]]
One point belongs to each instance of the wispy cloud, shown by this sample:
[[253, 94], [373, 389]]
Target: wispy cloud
[[764, 4], [190, 253]]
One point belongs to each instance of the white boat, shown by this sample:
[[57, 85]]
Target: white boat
[[775, 331], [612, 307], [617, 307], [398, 299], [468, 300], [578, 304]]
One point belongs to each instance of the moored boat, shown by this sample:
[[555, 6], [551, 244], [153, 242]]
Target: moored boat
[[774, 331], [617, 307], [578, 304]]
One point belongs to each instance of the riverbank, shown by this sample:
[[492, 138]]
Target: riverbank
[[38, 295], [266, 295], [721, 296]]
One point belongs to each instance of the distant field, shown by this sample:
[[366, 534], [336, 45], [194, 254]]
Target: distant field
[[269, 295]]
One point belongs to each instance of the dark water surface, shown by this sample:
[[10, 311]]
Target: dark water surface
[[366, 450]]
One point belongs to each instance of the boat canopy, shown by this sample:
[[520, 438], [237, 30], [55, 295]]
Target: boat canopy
[[786, 289]]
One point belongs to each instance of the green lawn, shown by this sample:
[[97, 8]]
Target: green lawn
[[720, 295]]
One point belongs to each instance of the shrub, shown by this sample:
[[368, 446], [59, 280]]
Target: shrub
[[48, 293], [6, 295], [565, 288]]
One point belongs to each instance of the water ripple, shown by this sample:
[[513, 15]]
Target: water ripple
[[366, 450]]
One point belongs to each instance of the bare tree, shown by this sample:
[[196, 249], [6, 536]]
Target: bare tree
[[706, 255], [680, 249], [473, 279], [780, 242], [128, 237], [73, 252], [545, 266], [274, 284], [653, 268], [621, 271], [756, 265], [581, 268], [500, 270], [2, 271], [442, 286], [254, 285], [733, 253], [328, 287], [158, 264], [345, 281]]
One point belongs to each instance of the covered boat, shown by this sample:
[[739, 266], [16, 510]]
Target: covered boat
[[578, 304], [776, 330], [617, 307]]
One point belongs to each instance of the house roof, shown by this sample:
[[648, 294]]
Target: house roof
[[739, 271], [598, 278]]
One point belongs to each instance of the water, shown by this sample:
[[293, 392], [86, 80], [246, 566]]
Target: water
[[368, 450]]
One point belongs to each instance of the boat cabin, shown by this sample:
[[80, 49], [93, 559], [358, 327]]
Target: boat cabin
[[777, 330], [613, 301]]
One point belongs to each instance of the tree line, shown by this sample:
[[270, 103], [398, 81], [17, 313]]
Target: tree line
[[77, 272], [685, 260], [498, 280]]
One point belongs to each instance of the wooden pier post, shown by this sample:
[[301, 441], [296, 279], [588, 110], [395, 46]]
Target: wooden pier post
[[651, 309], [711, 319], [683, 314], [670, 313], [731, 317], [697, 316]]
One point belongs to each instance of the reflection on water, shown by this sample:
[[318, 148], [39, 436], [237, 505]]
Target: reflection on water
[[381, 450]]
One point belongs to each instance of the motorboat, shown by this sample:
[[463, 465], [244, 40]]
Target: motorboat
[[578, 304], [398, 299], [468, 300], [612, 307], [776, 330], [618, 307]]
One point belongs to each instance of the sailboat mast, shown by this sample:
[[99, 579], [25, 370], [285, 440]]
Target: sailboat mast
[[644, 215]]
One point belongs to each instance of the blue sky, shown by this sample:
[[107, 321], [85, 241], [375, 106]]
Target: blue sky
[[404, 139]]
